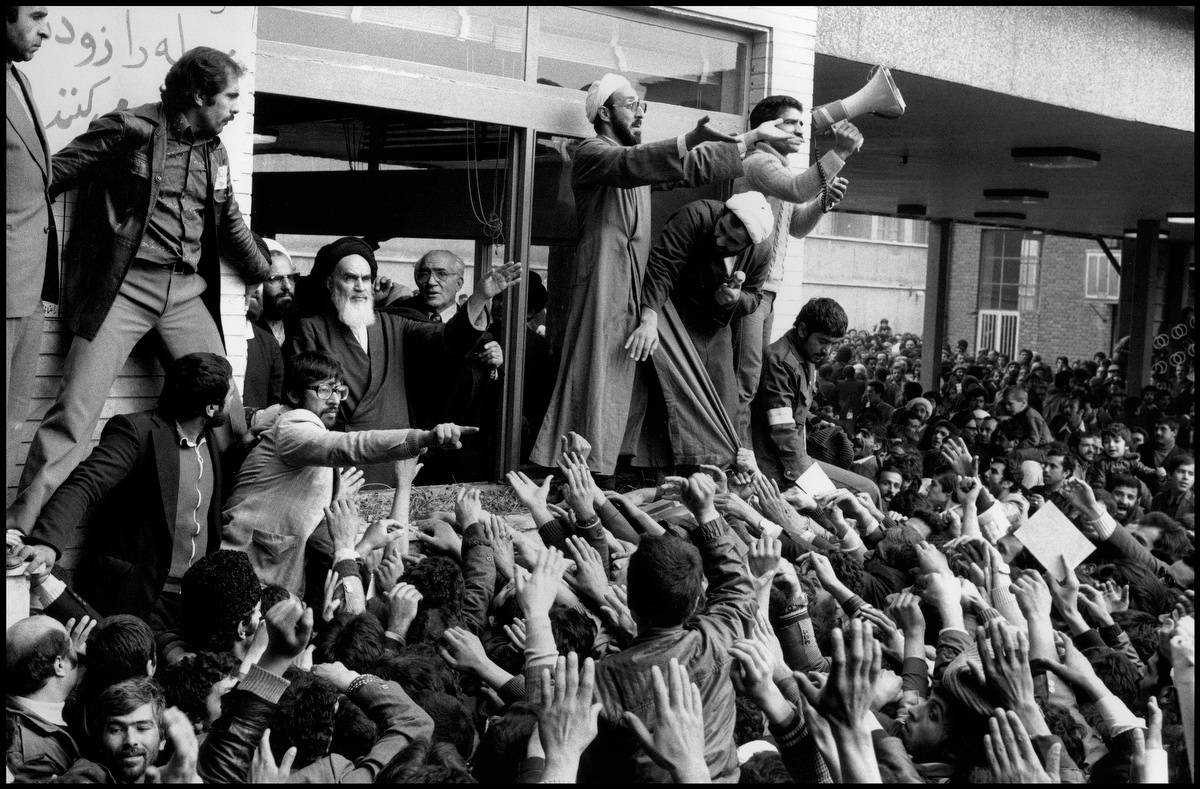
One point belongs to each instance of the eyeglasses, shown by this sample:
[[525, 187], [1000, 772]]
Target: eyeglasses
[[633, 105], [440, 274], [278, 278], [325, 391]]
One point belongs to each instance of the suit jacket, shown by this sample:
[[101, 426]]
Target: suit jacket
[[30, 238], [264, 370], [132, 480], [117, 162]]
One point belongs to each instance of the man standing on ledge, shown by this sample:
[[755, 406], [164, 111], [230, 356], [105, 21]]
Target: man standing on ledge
[[155, 207], [599, 386]]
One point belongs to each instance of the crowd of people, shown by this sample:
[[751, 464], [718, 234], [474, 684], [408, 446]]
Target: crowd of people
[[231, 617]]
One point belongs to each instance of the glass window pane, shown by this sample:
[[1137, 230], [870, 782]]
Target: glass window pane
[[576, 47], [481, 39]]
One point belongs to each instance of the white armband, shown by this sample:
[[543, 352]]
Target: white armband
[[780, 416]]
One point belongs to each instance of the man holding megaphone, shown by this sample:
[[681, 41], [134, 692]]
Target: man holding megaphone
[[797, 201]]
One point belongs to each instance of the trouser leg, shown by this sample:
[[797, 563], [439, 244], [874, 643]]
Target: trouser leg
[[749, 340], [91, 366], [22, 342]]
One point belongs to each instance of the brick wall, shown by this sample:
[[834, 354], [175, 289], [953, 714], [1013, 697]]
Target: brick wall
[[1064, 321]]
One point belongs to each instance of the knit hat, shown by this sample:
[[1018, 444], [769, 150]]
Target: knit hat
[[599, 91], [919, 401], [275, 247], [219, 589], [755, 213]]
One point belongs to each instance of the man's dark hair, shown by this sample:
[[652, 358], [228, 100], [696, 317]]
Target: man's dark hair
[[1062, 379], [907, 502], [123, 698], [273, 594], [895, 469], [305, 369], [28, 669], [1119, 674], [1173, 543], [425, 763], [771, 108], [305, 717], [192, 383], [664, 580], [451, 721], [502, 747], [898, 548], [414, 671], [439, 579], [1146, 591], [218, 593], [765, 767], [1169, 421], [202, 70], [574, 631], [1142, 629], [877, 387], [187, 683], [1059, 449], [118, 649], [1179, 459], [1123, 481], [823, 315], [356, 641]]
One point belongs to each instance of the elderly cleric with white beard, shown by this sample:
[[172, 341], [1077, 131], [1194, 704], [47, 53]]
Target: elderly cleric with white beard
[[371, 346]]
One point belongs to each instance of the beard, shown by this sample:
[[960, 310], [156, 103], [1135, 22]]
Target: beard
[[277, 310], [356, 315]]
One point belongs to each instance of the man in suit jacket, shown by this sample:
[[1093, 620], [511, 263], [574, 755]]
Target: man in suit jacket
[[30, 241], [155, 483]]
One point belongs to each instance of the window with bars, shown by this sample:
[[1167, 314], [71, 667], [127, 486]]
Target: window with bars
[[870, 227], [1101, 280], [1008, 270]]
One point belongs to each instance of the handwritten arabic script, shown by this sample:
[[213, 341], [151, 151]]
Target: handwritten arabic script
[[102, 58]]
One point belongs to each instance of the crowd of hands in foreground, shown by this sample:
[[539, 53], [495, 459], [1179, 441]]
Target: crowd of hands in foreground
[[957, 586]]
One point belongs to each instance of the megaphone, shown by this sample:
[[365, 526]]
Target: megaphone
[[879, 96]]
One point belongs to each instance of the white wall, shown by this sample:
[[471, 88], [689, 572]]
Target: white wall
[[99, 58]]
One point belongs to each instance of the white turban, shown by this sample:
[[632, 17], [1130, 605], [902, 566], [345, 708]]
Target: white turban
[[275, 246], [755, 213], [599, 91]]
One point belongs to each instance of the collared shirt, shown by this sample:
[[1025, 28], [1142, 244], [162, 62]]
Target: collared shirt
[[176, 220], [191, 509], [278, 331]]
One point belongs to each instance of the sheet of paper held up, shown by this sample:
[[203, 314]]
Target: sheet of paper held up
[[1049, 534], [815, 482]]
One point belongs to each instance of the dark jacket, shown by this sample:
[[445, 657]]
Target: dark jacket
[[132, 480], [623, 680], [118, 163], [780, 410], [263, 385], [37, 749]]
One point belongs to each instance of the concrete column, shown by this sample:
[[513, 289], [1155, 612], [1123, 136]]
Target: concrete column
[[937, 292], [1141, 312]]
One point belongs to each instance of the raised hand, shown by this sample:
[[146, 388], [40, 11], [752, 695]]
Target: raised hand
[[582, 491], [331, 603], [589, 578], [380, 534], [185, 751], [467, 506], [617, 615], [698, 497], [344, 522], [958, 456], [763, 558], [819, 563], [671, 489], [1004, 650], [79, 632], [1115, 598], [847, 139], [350, 482], [389, 572], [264, 770], [718, 475], [574, 444], [516, 634], [1082, 497], [407, 471], [568, 720], [533, 496], [1011, 755], [1092, 603], [536, 594], [837, 190], [746, 461], [404, 601], [289, 628], [498, 280], [677, 743], [501, 538], [463, 651], [731, 504], [847, 694], [437, 534], [705, 133]]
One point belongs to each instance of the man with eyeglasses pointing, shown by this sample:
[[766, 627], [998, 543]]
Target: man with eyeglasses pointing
[[288, 479]]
